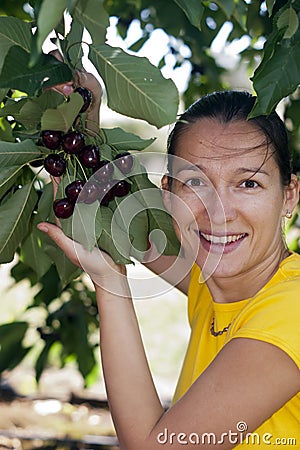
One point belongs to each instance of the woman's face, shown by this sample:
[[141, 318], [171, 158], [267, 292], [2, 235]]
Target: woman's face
[[227, 197]]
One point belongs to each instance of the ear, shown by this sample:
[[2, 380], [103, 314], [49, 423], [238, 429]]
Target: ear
[[291, 195], [166, 192]]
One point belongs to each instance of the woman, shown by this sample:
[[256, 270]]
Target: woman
[[241, 371]]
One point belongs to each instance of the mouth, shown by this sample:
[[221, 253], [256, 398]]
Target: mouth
[[225, 243]]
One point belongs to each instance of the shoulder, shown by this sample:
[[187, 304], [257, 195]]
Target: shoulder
[[273, 314]]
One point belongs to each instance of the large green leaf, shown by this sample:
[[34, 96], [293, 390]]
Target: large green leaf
[[50, 14], [14, 219], [32, 249], [13, 31], [115, 243], [72, 45], [18, 153], [279, 77], [63, 116], [32, 109], [16, 73], [92, 15], [159, 219], [228, 6], [8, 176], [125, 141], [288, 20], [134, 86], [193, 9], [12, 350]]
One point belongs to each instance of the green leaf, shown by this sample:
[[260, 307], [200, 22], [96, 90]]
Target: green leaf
[[50, 14], [116, 244], [14, 219], [16, 73], [32, 253], [72, 45], [84, 224], [125, 141], [11, 349], [32, 248], [6, 131], [228, 6], [12, 154], [289, 20], [193, 9], [31, 111], [62, 118], [270, 5], [8, 176], [279, 77], [13, 31], [159, 219], [134, 86], [92, 15], [131, 216]]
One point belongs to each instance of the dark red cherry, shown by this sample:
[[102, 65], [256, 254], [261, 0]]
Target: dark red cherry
[[72, 142], [89, 156], [87, 97], [105, 171], [73, 190], [106, 193], [90, 193], [63, 208], [121, 188], [51, 139], [55, 164], [124, 162]]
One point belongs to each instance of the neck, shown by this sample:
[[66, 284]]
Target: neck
[[245, 284]]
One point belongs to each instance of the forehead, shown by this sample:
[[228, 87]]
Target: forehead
[[208, 138]]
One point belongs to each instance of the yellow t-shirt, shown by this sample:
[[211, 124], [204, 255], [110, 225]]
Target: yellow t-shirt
[[273, 316]]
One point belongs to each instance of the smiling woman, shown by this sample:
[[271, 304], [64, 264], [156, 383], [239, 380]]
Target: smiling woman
[[229, 188]]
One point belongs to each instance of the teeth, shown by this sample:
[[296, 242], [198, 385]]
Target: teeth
[[222, 239]]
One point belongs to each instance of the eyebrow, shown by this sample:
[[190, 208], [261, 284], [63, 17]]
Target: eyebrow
[[253, 170], [240, 170]]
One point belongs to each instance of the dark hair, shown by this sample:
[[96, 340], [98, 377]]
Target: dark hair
[[229, 106]]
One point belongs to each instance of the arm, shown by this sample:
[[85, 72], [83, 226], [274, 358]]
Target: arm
[[248, 381]]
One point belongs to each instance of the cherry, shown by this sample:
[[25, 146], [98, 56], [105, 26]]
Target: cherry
[[106, 193], [87, 97], [89, 156], [105, 171], [121, 188], [55, 164], [63, 208], [73, 142], [90, 193], [124, 162], [51, 139], [73, 190]]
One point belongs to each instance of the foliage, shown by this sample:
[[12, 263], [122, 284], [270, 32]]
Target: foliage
[[136, 89]]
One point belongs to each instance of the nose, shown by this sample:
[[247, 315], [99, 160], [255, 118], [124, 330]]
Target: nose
[[221, 207]]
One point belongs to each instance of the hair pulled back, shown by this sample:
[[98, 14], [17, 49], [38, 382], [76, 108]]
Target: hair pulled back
[[229, 106]]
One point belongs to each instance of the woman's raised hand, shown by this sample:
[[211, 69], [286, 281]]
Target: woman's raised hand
[[103, 271], [90, 82]]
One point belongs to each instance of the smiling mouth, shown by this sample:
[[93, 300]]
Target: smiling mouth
[[222, 240]]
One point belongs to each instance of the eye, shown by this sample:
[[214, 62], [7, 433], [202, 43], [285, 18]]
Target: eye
[[249, 184], [194, 182]]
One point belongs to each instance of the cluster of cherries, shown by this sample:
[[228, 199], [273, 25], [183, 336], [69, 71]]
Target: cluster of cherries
[[101, 186]]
